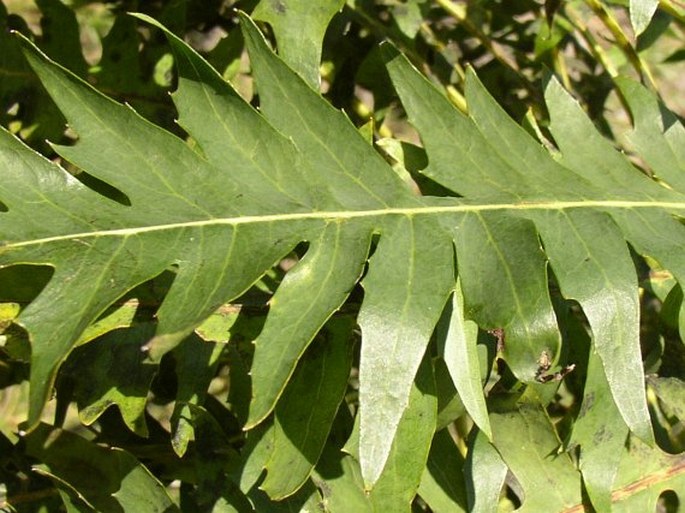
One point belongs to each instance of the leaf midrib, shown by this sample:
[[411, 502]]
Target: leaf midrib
[[650, 481], [355, 214]]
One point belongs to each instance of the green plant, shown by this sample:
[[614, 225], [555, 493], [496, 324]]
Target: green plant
[[384, 287]]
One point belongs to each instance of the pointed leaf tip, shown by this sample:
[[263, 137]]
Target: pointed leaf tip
[[299, 27], [641, 14], [461, 358]]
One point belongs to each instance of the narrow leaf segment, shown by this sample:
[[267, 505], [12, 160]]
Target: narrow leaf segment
[[297, 171]]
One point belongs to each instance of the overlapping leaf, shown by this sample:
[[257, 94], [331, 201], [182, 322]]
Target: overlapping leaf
[[299, 26], [297, 170], [583, 207], [93, 478], [547, 478], [641, 13]]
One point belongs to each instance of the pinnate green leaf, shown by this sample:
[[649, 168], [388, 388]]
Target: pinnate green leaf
[[262, 183], [502, 287]]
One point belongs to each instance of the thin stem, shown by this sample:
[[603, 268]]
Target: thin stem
[[457, 99], [458, 11], [597, 52], [454, 94], [27, 497], [595, 48], [430, 38], [561, 69], [622, 41], [674, 8]]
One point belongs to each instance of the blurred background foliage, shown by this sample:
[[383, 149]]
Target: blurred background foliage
[[513, 44]]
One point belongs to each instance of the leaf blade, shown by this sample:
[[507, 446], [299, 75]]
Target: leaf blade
[[305, 413], [462, 362], [299, 26], [316, 287], [641, 13], [397, 319]]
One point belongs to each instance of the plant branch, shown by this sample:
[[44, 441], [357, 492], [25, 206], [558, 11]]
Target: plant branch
[[622, 41]]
